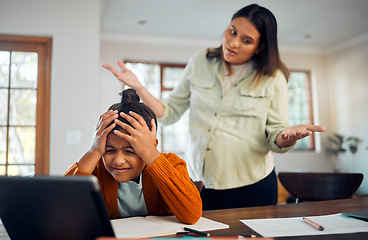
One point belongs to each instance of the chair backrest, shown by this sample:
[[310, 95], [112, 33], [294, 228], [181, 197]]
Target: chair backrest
[[320, 186]]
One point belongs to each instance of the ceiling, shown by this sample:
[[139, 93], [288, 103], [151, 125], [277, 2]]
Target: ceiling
[[309, 25]]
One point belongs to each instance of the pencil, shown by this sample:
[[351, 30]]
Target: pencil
[[313, 224], [197, 232]]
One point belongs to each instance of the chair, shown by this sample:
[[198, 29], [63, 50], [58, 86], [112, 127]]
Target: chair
[[199, 185], [314, 186]]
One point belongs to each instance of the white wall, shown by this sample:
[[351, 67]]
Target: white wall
[[75, 29], [348, 71], [316, 161]]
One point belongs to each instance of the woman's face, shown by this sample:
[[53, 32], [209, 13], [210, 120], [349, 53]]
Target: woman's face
[[120, 159], [241, 41]]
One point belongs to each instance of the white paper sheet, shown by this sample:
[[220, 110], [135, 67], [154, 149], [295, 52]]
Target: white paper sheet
[[295, 226], [153, 226]]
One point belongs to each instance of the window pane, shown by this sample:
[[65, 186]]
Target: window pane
[[175, 136], [20, 170], [2, 170], [171, 76], [149, 75], [3, 106], [22, 145], [2, 145], [299, 104], [23, 107], [24, 68], [4, 68]]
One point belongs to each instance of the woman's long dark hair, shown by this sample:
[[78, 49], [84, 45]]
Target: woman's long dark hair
[[268, 59]]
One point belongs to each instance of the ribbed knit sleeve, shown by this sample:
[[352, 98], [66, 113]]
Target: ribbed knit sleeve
[[108, 185], [179, 194]]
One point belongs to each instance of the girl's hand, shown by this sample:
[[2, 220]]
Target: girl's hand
[[290, 135], [143, 140], [126, 76], [90, 159], [101, 131]]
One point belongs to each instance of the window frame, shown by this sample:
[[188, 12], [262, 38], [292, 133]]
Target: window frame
[[43, 47]]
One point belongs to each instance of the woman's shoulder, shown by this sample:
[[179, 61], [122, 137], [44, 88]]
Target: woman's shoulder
[[277, 78], [199, 55]]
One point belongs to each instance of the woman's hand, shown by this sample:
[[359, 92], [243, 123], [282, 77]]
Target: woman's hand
[[126, 76], [141, 138], [290, 135], [101, 131]]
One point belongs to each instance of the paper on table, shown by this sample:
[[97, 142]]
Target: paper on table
[[152, 226], [295, 226]]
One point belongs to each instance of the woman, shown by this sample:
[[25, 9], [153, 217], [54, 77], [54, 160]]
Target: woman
[[237, 97]]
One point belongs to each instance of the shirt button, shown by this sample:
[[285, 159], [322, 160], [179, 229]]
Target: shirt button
[[209, 130], [215, 114], [208, 148]]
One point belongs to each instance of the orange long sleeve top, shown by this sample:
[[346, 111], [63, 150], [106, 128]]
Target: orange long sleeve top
[[167, 189]]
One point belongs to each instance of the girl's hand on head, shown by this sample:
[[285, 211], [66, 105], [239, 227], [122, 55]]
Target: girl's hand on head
[[141, 138], [101, 131], [125, 76], [290, 135]]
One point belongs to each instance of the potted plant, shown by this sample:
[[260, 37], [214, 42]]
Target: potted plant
[[342, 144]]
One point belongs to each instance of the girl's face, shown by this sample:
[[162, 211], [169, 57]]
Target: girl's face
[[241, 41], [120, 159]]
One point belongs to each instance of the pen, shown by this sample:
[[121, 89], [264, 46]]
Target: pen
[[197, 232], [313, 224]]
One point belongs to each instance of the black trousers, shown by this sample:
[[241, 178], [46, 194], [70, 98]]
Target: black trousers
[[261, 193]]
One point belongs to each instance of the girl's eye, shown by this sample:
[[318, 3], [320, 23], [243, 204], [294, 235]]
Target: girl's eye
[[130, 152], [109, 150], [233, 32]]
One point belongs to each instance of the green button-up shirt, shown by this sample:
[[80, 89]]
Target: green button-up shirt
[[231, 132]]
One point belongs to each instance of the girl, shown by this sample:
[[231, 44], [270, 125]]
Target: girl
[[136, 179]]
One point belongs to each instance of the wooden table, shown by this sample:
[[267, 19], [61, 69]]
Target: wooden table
[[232, 216]]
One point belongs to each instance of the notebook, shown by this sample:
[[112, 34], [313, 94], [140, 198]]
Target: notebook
[[361, 214], [53, 207]]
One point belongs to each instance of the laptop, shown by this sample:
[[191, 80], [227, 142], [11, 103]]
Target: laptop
[[53, 207], [361, 214]]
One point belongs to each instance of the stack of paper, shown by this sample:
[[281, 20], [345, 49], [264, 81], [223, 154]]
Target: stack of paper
[[153, 226], [295, 226]]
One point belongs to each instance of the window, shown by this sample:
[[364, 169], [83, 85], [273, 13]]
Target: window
[[300, 105], [25, 105], [159, 79]]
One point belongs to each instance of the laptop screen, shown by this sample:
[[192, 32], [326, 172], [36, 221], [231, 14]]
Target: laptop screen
[[53, 207]]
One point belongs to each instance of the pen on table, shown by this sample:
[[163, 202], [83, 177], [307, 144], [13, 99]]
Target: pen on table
[[313, 224], [197, 232], [247, 236]]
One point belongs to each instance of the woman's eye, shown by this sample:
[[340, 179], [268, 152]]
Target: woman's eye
[[233, 32]]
